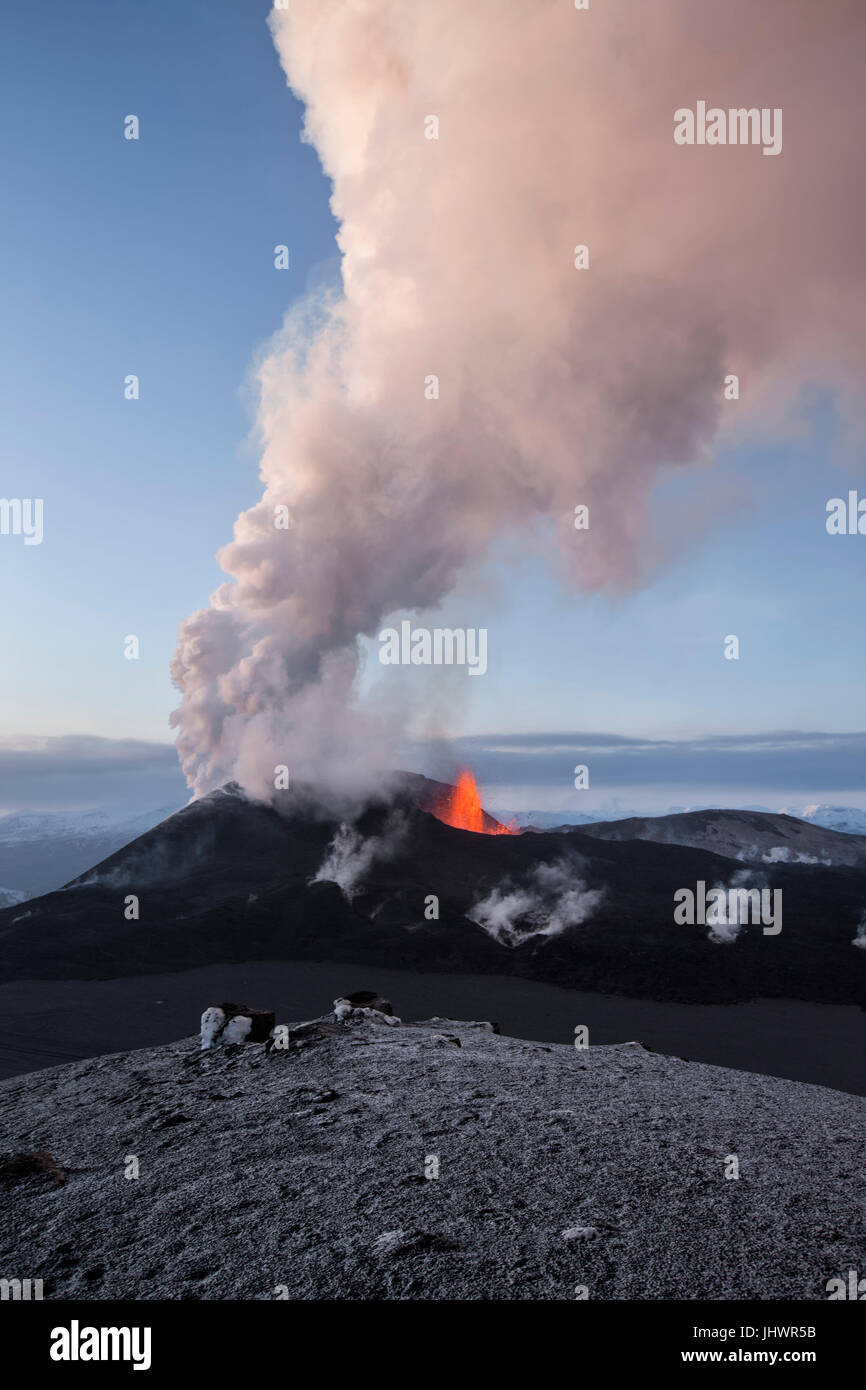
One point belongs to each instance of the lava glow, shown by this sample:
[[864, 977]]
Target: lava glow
[[462, 809]]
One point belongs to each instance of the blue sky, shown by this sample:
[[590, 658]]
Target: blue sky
[[153, 257], [156, 257]]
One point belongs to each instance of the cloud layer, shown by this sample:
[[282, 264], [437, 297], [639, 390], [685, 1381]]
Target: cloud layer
[[78, 771], [796, 762]]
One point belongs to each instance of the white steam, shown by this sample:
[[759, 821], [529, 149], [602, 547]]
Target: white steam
[[783, 854], [350, 856], [551, 899], [727, 925]]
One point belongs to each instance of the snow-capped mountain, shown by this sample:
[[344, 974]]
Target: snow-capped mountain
[[849, 820], [25, 826], [40, 851], [542, 820], [549, 820]]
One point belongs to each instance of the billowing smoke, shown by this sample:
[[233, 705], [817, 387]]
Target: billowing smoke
[[551, 899], [557, 386], [859, 939], [350, 855]]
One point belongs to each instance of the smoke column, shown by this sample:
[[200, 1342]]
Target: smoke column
[[557, 386]]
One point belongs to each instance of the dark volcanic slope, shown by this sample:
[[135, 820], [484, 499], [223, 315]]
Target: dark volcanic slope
[[229, 880], [557, 1168], [753, 836]]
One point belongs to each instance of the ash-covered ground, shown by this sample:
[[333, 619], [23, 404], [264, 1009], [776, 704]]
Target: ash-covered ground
[[304, 1173]]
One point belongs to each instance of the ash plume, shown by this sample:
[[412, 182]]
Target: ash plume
[[557, 386]]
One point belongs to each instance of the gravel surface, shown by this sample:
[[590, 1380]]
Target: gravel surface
[[302, 1173]]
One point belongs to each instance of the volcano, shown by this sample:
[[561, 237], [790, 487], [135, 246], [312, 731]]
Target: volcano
[[390, 883]]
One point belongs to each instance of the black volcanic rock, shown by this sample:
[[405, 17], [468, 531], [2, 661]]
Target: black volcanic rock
[[752, 836], [229, 880], [302, 1174]]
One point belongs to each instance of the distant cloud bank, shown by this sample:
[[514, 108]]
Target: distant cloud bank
[[516, 770], [78, 771]]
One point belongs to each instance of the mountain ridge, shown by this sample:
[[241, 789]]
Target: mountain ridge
[[228, 879]]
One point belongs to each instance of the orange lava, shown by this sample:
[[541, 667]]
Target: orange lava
[[462, 809]]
